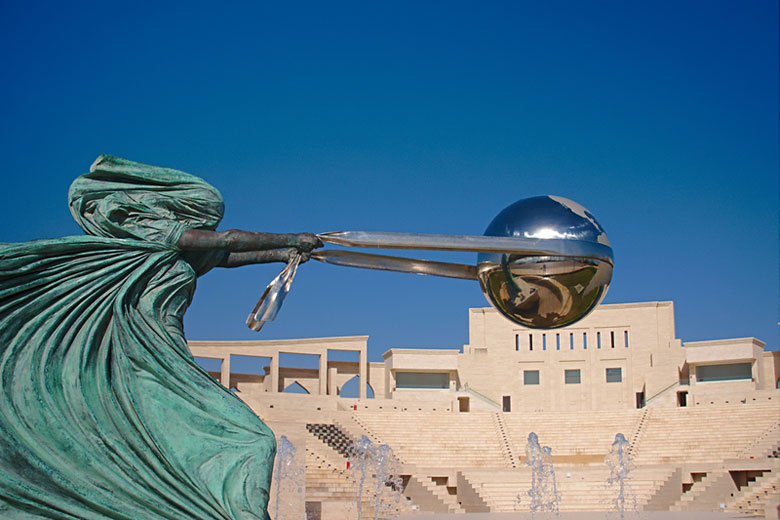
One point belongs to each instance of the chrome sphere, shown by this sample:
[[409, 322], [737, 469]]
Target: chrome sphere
[[547, 292]]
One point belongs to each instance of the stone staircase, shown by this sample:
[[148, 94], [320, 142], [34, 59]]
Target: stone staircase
[[706, 494], [751, 499], [502, 431], [638, 431], [667, 493], [580, 488], [333, 436], [477, 487], [434, 498], [328, 480]]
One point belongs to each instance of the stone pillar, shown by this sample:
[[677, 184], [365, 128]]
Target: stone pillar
[[323, 373], [224, 374], [363, 374], [332, 382], [275, 373]]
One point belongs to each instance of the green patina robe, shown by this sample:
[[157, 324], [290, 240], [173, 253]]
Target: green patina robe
[[103, 412]]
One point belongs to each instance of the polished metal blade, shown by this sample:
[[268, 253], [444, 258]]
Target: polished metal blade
[[273, 297], [473, 243], [395, 263]]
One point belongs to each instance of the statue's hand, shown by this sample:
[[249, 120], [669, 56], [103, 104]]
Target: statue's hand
[[287, 254], [306, 242]]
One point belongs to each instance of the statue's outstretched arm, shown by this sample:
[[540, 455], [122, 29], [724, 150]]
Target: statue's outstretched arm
[[236, 240], [249, 247], [262, 257]]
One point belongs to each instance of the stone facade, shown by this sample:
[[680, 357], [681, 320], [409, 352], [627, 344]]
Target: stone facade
[[622, 356], [706, 435]]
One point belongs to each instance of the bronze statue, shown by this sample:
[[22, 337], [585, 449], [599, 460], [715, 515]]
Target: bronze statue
[[104, 414]]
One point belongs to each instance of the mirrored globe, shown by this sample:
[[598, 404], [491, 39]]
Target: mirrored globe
[[551, 291]]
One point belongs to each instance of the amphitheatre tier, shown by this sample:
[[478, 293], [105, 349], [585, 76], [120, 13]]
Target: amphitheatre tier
[[702, 419]]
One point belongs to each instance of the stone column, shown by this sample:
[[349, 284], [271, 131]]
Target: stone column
[[363, 374], [275, 373], [323, 372], [224, 374], [332, 382]]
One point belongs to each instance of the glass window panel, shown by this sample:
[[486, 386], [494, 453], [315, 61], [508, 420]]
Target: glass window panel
[[530, 377], [425, 380], [728, 372], [572, 377], [614, 375]]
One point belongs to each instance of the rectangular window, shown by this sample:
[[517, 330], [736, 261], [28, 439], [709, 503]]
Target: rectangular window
[[729, 372], [614, 375], [625, 338], [517, 342], [530, 342], [584, 341], [598, 340], [612, 337], [557, 342], [571, 341], [571, 377], [544, 341], [530, 377], [422, 380]]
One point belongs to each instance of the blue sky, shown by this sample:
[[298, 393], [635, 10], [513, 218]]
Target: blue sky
[[660, 117]]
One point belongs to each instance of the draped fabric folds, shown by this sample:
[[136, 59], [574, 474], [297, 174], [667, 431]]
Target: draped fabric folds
[[103, 412]]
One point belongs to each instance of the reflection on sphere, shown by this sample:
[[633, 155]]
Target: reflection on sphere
[[545, 292]]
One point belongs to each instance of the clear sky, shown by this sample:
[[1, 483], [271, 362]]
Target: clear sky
[[660, 117]]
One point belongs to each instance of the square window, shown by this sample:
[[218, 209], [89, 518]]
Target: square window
[[614, 375], [530, 377], [571, 377]]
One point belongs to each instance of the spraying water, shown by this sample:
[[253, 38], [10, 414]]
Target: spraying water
[[544, 490], [289, 478], [387, 481], [619, 465], [376, 464]]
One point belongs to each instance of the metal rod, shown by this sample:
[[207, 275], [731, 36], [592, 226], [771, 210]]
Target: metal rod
[[473, 243], [395, 263]]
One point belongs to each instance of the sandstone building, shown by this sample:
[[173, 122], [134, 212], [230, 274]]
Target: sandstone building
[[702, 418]]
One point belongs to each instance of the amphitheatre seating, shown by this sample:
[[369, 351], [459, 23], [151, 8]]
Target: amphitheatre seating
[[710, 433], [580, 488], [753, 499], [571, 434], [437, 439], [476, 444], [328, 480]]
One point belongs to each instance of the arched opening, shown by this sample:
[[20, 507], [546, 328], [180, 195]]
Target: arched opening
[[351, 389], [211, 365], [295, 388]]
